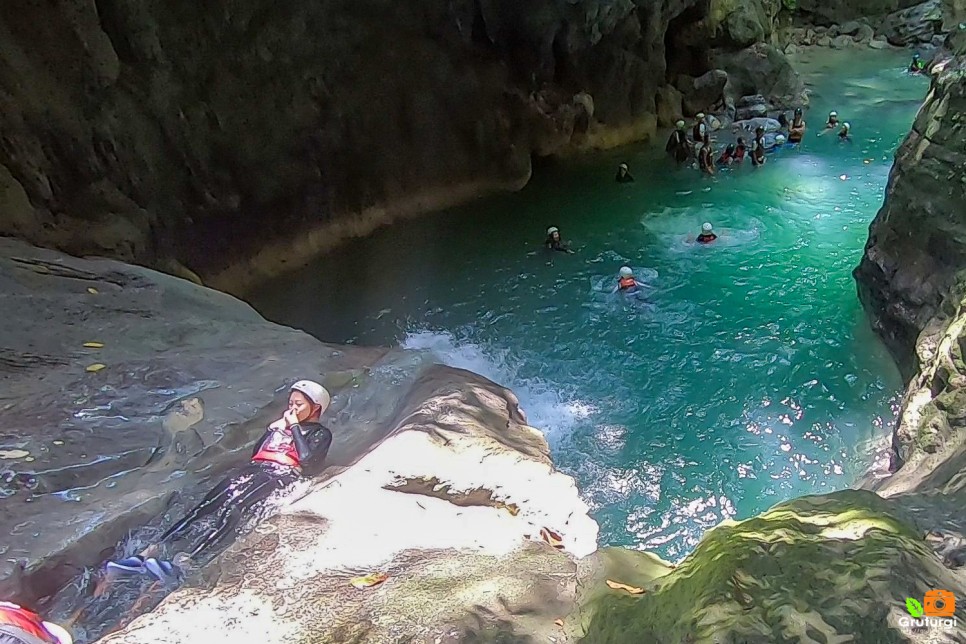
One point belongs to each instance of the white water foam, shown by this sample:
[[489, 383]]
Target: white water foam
[[548, 407]]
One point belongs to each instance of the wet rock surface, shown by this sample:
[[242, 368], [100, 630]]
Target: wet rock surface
[[450, 506], [178, 383]]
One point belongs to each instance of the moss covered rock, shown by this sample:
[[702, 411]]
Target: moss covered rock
[[833, 568]]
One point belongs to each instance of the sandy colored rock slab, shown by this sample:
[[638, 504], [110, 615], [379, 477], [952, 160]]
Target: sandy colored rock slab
[[450, 506]]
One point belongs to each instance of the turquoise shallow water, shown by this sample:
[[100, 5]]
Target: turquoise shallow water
[[748, 374]]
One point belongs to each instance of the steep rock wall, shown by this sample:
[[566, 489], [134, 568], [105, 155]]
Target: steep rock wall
[[195, 133]]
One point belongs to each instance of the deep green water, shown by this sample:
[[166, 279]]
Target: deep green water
[[748, 376]]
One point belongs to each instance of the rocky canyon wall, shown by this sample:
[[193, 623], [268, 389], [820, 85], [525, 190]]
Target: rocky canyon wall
[[195, 133]]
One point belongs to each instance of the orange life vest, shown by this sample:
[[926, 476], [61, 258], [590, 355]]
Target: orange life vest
[[279, 448], [627, 282], [25, 620]]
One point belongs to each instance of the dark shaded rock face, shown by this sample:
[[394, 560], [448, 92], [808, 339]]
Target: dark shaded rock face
[[199, 132], [827, 12], [916, 250]]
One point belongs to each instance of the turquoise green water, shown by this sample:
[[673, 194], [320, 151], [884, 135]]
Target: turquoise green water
[[748, 374]]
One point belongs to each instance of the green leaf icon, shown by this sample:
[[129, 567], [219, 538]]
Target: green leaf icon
[[914, 607]]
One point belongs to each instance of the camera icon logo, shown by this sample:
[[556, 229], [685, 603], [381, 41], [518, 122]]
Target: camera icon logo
[[939, 603]]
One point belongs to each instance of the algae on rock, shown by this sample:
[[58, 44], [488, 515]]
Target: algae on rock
[[833, 568]]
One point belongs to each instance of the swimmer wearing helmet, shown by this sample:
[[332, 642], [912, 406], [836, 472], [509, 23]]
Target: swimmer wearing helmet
[[554, 242], [831, 124], [707, 234], [626, 281]]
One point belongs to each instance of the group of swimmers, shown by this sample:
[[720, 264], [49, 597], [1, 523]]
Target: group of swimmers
[[625, 276], [698, 149]]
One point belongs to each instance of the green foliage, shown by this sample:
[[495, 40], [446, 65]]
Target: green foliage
[[914, 607], [790, 5]]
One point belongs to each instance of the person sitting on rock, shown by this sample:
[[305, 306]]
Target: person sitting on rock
[[758, 147], [293, 446], [554, 242], [832, 123], [626, 281], [740, 150], [728, 156], [700, 129], [623, 174], [796, 131], [707, 234], [677, 144], [21, 626], [706, 156], [844, 133], [917, 65]]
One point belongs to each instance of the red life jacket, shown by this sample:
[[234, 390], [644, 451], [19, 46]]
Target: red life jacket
[[279, 448], [25, 620], [627, 282]]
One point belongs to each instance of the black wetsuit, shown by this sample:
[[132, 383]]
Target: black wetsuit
[[677, 146], [758, 151], [242, 494], [624, 177], [706, 238], [557, 244]]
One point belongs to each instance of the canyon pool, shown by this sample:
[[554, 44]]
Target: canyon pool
[[746, 374]]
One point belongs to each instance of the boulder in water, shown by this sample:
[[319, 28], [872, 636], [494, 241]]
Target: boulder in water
[[762, 69], [669, 105], [702, 93]]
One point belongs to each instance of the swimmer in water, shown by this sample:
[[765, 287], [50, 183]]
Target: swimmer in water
[[740, 150], [554, 242], [728, 156], [917, 65], [844, 133], [707, 234], [758, 147], [832, 123], [21, 626], [796, 131], [699, 130], [677, 144], [706, 156], [623, 174], [294, 446], [626, 281]]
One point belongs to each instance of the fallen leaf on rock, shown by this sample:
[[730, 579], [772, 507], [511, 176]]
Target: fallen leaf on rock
[[30, 459], [551, 537], [634, 590], [558, 622], [58, 442], [512, 508], [92, 290], [370, 580], [14, 453], [94, 345], [94, 368]]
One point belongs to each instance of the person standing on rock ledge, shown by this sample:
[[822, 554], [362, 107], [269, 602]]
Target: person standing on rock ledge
[[293, 446]]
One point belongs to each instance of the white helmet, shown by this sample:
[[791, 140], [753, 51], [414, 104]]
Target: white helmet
[[846, 127], [552, 230], [833, 113], [779, 139], [623, 166], [680, 125], [626, 271], [706, 227], [699, 115], [61, 635], [314, 392]]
